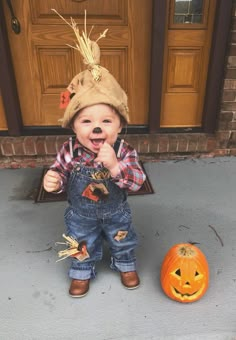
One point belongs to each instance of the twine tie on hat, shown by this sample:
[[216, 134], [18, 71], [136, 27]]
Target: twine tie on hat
[[95, 70]]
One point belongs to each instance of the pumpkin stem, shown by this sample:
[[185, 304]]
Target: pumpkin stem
[[186, 251]]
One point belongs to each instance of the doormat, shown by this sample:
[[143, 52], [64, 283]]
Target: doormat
[[43, 196]]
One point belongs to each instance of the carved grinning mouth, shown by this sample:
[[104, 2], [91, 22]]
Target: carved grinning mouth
[[185, 294]]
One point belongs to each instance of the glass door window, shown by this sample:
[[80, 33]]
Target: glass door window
[[189, 13]]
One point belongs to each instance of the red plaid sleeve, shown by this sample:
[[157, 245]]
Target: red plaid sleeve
[[131, 175], [63, 164]]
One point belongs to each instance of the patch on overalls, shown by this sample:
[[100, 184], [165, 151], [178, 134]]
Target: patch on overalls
[[101, 174], [95, 191], [121, 235], [75, 249], [82, 252]]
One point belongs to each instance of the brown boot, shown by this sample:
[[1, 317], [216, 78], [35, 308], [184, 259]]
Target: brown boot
[[79, 288], [130, 279]]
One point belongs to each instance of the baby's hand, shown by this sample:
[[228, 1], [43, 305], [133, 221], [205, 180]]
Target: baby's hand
[[52, 181], [107, 157]]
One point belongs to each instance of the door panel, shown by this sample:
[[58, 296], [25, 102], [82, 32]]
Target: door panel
[[113, 12], [187, 54], [44, 65], [3, 123], [183, 70]]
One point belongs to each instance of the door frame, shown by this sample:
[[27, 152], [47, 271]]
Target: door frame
[[216, 67], [8, 83], [213, 88]]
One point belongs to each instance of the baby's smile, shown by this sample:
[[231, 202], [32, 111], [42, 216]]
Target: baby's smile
[[97, 142]]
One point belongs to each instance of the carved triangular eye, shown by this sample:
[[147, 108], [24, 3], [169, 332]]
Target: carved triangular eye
[[178, 272]]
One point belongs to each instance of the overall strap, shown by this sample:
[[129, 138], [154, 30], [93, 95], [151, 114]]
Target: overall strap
[[116, 146], [71, 145]]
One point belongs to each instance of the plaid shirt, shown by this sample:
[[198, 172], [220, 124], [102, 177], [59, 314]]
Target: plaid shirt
[[131, 175]]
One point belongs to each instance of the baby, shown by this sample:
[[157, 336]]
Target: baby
[[96, 169]]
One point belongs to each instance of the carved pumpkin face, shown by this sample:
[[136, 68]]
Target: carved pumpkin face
[[184, 273]]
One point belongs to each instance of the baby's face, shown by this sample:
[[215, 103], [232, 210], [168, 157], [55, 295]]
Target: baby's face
[[96, 124]]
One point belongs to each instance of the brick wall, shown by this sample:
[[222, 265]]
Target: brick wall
[[226, 134], [40, 150]]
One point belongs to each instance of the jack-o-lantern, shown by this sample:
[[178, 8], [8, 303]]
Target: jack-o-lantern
[[185, 273]]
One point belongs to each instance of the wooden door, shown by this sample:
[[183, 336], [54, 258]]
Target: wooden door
[[44, 65], [187, 51], [3, 124]]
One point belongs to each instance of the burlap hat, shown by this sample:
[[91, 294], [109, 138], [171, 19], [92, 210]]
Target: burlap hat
[[95, 85]]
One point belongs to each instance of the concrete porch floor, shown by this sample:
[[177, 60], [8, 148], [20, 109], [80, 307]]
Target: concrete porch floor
[[189, 196]]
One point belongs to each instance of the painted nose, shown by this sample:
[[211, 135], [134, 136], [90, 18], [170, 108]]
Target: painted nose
[[97, 130]]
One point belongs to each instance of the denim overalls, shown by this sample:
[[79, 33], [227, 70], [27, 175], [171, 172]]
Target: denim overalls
[[89, 222]]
